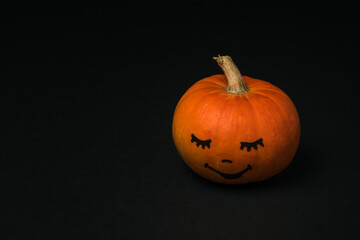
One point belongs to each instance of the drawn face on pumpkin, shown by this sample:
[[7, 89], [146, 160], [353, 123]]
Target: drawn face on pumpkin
[[242, 146]]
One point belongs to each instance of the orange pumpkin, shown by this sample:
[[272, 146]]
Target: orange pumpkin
[[235, 129]]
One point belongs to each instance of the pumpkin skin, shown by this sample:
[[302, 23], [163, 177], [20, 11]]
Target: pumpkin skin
[[208, 112]]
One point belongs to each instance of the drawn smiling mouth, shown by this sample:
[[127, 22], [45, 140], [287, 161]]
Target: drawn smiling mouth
[[229, 176]]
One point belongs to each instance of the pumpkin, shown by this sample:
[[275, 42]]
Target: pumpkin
[[235, 129]]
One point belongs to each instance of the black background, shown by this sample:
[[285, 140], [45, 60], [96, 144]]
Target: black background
[[88, 95]]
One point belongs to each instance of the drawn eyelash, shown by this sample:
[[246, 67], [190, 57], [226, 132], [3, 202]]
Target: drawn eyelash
[[252, 144], [200, 142]]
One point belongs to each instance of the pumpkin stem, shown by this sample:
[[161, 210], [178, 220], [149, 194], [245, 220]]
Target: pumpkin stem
[[236, 82]]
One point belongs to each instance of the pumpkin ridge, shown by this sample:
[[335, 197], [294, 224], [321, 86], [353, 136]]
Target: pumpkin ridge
[[279, 110], [254, 116], [209, 80], [197, 86], [217, 82], [199, 89], [223, 112], [255, 82], [195, 105], [190, 93], [270, 99], [271, 89], [280, 95], [275, 90]]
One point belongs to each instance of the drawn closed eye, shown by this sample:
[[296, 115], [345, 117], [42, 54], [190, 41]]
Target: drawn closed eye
[[199, 142], [250, 145]]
